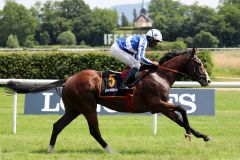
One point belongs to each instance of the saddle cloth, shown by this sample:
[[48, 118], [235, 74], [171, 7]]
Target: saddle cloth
[[111, 80]]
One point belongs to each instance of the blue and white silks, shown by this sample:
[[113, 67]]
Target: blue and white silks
[[135, 46]]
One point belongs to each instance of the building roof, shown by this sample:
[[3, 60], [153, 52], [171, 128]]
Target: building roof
[[144, 16]]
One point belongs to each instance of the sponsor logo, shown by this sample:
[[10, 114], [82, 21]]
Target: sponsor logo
[[109, 39], [195, 101], [187, 100]]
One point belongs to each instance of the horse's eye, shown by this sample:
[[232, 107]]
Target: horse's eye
[[197, 62]]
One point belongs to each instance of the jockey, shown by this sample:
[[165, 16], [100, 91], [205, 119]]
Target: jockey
[[131, 51]]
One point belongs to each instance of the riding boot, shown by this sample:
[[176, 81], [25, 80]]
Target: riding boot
[[128, 79]]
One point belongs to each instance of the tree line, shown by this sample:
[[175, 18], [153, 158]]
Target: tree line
[[199, 22], [48, 23], [73, 22]]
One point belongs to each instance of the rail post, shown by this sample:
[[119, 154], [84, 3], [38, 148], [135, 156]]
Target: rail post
[[14, 125]]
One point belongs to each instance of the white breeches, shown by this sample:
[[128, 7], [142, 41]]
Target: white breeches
[[124, 57]]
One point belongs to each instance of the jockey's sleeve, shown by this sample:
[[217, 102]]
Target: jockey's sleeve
[[141, 51]]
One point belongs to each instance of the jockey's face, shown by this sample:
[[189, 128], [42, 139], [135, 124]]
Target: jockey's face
[[152, 43]]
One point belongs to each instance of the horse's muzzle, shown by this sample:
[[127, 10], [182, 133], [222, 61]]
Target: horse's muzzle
[[204, 80]]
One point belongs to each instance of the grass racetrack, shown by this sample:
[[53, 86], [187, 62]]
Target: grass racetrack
[[130, 135]]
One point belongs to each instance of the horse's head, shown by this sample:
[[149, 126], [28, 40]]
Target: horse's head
[[196, 70]]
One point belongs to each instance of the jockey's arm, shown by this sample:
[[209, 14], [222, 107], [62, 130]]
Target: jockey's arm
[[141, 52]]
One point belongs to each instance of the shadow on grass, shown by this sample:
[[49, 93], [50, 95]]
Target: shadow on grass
[[92, 151], [133, 151], [67, 151]]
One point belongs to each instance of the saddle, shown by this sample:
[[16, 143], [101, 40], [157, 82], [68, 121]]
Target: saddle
[[111, 81]]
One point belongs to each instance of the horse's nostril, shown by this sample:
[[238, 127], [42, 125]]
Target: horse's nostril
[[209, 81]]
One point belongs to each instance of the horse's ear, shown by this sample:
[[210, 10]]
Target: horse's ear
[[194, 51]]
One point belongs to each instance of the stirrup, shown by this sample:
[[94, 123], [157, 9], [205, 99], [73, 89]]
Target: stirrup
[[124, 88]]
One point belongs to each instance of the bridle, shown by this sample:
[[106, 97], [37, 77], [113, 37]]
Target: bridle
[[197, 74]]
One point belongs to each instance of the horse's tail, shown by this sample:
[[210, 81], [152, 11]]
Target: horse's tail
[[33, 88]]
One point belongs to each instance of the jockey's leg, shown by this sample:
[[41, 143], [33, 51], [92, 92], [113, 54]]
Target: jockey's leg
[[128, 79], [127, 59]]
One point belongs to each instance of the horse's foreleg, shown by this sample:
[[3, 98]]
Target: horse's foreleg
[[176, 118], [95, 132], [58, 127], [200, 135]]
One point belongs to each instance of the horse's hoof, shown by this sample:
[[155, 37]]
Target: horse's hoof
[[51, 149], [188, 137], [109, 150], [206, 139]]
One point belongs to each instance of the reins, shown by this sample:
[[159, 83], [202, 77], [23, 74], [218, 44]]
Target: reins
[[172, 70], [153, 70]]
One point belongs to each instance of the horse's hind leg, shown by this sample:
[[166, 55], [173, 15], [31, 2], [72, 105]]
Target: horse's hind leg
[[166, 107], [59, 126], [176, 118], [94, 130]]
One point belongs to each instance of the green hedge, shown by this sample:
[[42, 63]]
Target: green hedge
[[53, 65], [59, 65]]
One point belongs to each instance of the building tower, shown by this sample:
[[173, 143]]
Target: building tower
[[142, 20]]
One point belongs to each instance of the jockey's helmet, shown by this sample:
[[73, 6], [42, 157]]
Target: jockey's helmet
[[154, 34]]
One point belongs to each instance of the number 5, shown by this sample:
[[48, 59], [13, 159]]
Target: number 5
[[111, 80]]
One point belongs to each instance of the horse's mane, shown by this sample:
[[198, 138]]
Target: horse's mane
[[171, 54]]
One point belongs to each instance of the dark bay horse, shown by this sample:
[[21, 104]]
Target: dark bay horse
[[80, 94]]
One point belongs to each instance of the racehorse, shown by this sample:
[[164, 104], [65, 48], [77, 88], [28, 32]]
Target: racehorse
[[151, 94]]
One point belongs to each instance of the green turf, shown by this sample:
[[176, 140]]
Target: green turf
[[130, 135]]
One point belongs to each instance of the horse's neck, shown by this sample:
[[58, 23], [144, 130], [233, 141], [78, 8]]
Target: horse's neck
[[177, 64]]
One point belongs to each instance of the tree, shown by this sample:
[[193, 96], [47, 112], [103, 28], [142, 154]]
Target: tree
[[105, 20], [52, 20], [168, 16], [134, 14], [12, 41], [67, 38], [124, 20], [228, 29], [16, 20], [76, 16], [79, 14], [36, 9], [177, 20], [205, 40], [29, 42], [202, 18], [189, 42], [235, 2], [44, 38]]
